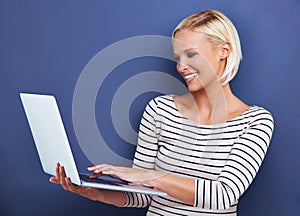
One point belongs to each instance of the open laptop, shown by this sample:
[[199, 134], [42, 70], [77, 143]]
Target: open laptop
[[52, 144]]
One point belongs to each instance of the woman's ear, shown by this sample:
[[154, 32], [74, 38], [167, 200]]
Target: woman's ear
[[225, 50]]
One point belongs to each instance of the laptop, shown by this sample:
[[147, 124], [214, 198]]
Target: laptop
[[53, 147]]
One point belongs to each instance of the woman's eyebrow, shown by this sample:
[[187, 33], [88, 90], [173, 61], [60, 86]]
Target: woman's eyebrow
[[185, 51], [190, 49]]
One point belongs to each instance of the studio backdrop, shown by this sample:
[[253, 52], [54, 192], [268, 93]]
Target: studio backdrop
[[104, 60]]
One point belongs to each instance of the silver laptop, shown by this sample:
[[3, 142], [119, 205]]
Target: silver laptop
[[53, 146]]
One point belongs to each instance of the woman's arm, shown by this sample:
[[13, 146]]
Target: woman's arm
[[178, 187]]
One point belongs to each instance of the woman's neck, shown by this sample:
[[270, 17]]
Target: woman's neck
[[211, 102], [212, 105]]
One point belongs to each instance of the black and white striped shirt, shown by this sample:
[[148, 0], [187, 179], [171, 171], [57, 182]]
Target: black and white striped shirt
[[222, 158]]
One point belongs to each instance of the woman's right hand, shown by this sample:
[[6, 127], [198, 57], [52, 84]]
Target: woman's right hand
[[65, 182], [111, 197]]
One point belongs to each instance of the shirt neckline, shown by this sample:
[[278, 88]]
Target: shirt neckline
[[209, 125]]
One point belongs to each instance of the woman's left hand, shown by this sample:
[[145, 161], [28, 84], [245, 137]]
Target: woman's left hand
[[134, 175]]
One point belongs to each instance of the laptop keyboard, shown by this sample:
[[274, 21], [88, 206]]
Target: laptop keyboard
[[102, 180]]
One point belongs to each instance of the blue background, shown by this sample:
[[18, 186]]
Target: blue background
[[44, 46]]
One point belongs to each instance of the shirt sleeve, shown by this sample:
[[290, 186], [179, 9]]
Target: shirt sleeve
[[146, 150], [242, 165]]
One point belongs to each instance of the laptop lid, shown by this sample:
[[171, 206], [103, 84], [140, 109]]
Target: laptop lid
[[49, 134]]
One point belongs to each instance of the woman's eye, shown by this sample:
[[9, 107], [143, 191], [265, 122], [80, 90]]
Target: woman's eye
[[191, 54]]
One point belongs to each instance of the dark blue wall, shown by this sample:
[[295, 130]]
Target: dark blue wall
[[44, 45]]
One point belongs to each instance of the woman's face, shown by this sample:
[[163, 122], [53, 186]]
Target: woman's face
[[198, 60]]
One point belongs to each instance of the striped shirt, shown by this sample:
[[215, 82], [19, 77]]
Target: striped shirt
[[222, 158]]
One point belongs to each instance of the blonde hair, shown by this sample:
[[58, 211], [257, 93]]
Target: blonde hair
[[219, 29]]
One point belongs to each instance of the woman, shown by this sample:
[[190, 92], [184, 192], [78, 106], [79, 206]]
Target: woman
[[203, 148]]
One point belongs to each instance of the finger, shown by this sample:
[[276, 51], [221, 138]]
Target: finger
[[54, 180], [57, 172], [104, 169], [92, 168], [99, 166], [62, 173], [95, 175], [63, 177]]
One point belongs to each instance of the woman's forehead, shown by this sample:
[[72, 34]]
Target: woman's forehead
[[187, 40]]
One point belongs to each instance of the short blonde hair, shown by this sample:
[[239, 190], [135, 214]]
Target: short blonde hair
[[219, 29]]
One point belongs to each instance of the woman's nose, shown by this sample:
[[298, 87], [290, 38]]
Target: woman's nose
[[181, 66]]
